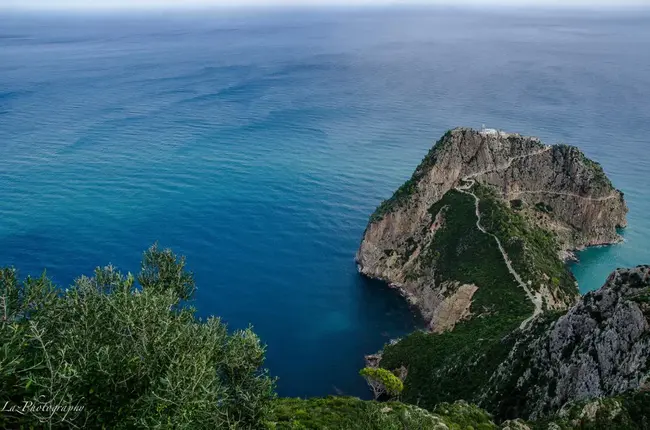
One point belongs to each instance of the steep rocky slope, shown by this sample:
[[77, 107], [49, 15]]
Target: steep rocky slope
[[555, 370], [600, 347], [515, 180], [629, 411]]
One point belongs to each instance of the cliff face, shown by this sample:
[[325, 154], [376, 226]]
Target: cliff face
[[550, 188], [600, 347]]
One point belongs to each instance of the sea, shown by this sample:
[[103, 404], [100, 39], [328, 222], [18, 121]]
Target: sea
[[257, 142]]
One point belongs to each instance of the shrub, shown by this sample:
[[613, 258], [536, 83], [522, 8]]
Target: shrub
[[382, 382], [517, 204], [347, 413], [119, 355]]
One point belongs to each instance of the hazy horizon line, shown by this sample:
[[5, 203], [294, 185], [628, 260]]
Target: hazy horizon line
[[206, 5]]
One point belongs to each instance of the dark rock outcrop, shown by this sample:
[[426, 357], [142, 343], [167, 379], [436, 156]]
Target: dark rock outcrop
[[599, 348]]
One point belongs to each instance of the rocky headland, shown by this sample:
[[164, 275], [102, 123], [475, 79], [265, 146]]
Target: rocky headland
[[552, 189], [477, 240]]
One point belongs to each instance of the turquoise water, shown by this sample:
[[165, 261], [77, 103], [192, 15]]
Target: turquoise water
[[595, 264], [257, 144]]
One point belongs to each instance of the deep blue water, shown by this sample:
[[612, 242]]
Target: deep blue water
[[257, 144]]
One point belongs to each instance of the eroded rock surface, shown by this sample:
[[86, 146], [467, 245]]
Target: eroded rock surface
[[600, 347]]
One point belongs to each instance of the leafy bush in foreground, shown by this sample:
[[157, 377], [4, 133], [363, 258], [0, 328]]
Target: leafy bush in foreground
[[107, 354]]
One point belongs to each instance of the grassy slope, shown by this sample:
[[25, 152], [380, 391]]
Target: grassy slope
[[351, 413], [455, 365], [439, 364], [532, 250]]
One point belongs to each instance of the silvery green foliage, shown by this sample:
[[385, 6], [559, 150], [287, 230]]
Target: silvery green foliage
[[126, 356]]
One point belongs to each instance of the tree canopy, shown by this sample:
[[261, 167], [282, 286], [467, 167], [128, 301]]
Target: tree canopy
[[382, 382]]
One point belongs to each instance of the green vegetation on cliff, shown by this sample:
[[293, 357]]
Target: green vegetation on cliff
[[456, 364], [532, 250], [626, 412], [459, 251], [347, 413], [510, 401]]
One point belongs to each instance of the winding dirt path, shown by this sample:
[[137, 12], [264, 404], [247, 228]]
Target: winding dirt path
[[533, 154], [536, 299], [594, 199], [469, 181], [508, 163]]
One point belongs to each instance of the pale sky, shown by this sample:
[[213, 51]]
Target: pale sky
[[146, 4]]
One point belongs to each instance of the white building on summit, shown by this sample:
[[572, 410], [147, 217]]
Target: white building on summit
[[490, 131], [493, 132]]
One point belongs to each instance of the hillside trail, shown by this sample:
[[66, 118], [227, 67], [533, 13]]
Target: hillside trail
[[469, 181], [532, 154], [536, 299], [593, 199]]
